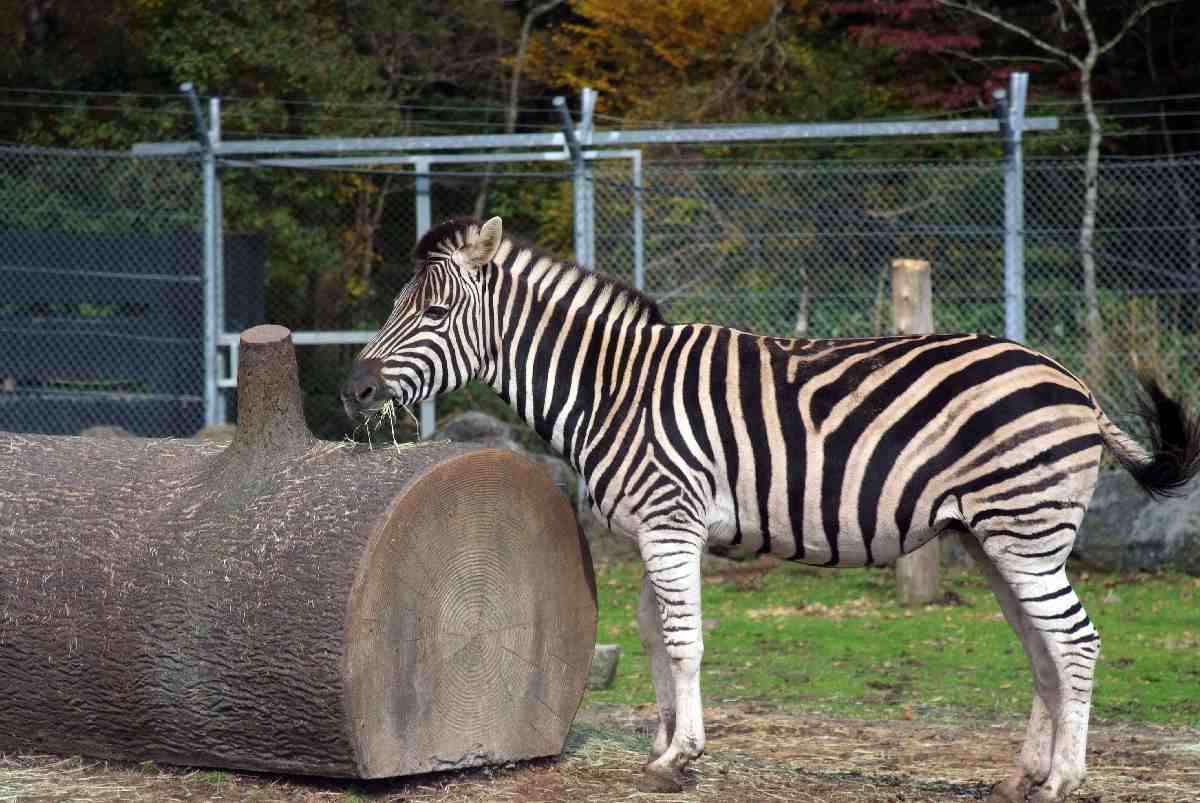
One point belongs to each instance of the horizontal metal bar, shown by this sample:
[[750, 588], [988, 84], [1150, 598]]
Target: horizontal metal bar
[[812, 131], [331, 338], [232, 341], [600, 138], [445, 158], [92, 396], [354, 144], [104, 274], [305, 338]]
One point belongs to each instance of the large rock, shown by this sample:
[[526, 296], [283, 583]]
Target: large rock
[[476, 427], [603, 670], [1125, 529]]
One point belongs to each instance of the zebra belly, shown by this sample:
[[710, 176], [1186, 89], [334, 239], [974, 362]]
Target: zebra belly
[[816, 552], [741, 533]]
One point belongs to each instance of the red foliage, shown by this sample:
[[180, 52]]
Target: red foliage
[[906, 42], [915, 33]]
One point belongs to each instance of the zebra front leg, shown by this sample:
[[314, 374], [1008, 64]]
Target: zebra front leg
[[673, 576], [650, 629]]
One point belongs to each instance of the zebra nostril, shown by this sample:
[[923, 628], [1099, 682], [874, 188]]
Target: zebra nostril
[[363, 386]]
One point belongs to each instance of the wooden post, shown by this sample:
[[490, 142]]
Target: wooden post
[[912, 314]]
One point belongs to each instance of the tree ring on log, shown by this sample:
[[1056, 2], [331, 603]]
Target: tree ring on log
[[453, 658]]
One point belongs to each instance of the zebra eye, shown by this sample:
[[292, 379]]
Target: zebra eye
[[436, 313]]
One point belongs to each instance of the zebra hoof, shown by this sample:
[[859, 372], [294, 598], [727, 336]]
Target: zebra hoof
[[1003, 792], [660, 779]]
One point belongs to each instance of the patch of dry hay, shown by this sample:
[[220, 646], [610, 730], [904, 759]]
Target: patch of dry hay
[[35, 778], [375, 421], [755, 753]]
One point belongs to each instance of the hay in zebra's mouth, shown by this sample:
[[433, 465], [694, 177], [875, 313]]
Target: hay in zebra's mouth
[[374, 421]]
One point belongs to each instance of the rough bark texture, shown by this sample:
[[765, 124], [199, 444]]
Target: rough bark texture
[[287, 604], [912, 314]]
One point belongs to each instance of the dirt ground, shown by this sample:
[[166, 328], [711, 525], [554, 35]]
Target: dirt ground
[[754, 754]]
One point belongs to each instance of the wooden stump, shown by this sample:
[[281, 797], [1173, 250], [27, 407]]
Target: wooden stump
[[912, 314], [287, 604]]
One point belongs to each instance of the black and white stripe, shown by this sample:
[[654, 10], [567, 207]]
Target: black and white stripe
[[830, 452]]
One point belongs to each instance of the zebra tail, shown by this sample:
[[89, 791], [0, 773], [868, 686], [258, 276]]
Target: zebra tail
[[1174, 454]]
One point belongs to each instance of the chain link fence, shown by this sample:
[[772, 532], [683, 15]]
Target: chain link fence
[[101, 283], [1146, 251], [100, 293], [804, 249]]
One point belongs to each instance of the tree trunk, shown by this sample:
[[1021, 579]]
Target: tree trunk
[[514, 90], [287, 604], [1094, 361], [912, 311]]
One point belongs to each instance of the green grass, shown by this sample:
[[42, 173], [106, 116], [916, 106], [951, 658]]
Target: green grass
[[835, 642], [216, 777]]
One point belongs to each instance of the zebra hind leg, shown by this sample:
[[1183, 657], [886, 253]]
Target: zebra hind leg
[[650, 629], [1033, 765], [1025, 560]]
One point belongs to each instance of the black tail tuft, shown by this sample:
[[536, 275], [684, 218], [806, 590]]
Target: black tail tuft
[[1174, 443]]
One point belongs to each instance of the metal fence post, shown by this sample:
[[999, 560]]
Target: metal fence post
[[221, 415], [211, 326], [639, 237], [584, 186], [577, 178], [584, 223], [421, 167], [1010, 108]]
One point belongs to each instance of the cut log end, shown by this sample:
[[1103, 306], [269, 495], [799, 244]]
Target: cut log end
[[497, 633], [268, 334]]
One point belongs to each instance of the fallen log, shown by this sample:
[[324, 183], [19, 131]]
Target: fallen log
[[287, 604]]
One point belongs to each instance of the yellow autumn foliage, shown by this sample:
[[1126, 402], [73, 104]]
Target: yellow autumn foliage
[[636, 52]]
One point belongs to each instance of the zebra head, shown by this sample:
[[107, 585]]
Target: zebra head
[[433, 341]]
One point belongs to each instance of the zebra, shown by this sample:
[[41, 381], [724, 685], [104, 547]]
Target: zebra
[[829, 452]]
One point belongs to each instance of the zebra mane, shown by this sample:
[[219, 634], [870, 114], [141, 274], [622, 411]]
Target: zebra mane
[[455, 233], [451, 234]]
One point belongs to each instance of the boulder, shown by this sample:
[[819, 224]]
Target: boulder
[[604, 666], [476, 427], [1125, 529]]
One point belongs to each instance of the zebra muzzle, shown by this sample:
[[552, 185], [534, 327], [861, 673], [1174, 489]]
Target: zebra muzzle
[[363, 391]]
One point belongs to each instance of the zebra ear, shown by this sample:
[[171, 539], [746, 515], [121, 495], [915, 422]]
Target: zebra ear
[[487, 242]]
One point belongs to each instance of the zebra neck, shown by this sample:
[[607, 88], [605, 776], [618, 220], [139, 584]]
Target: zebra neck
[[562, 340]]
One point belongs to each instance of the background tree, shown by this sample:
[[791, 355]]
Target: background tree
[[1074, 27], [702, 60], [973, 44]]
